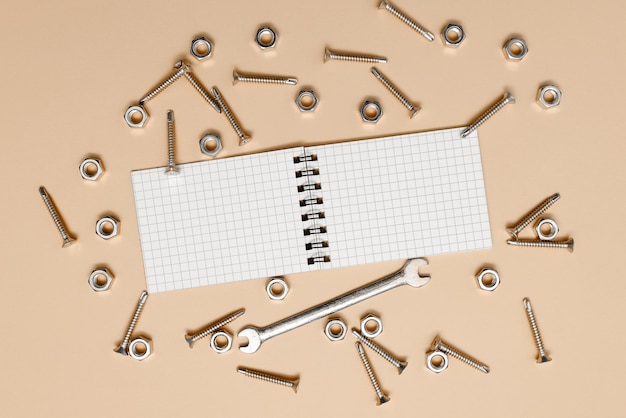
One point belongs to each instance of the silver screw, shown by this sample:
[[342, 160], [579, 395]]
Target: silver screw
[[263, 79], [171, 165], [382, 398], [272, 378], [439, 344], [384, 4], [542, 357], [569, 244], [123, 347], [191, 339], [243, 137], [413, 109], [181, 68], [341, 56], [533, 214], [203, 91], [400, 365], [67, 239], [508, 98]]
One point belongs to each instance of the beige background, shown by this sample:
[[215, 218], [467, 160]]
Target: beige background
[[70, 70]]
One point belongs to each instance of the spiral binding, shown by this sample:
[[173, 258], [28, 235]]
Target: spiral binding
[[311, 200]]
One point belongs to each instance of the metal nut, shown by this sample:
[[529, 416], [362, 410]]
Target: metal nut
[[435, 366], [136, 116], [549, 96], [307, 101], [365, 328], [515, 49], [221, 348], [452, 35], [331, 325], [107, 227], [371, 111], [96, 280], [87, 166], [279, 283], [550, 223], [210, 145], [266, 37], [488, 279], [201, 48], [137, 347]]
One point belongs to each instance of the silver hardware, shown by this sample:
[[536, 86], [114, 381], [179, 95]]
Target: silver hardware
[[440, 345], [221, 348], [508, 98], [140, 348], [413, 109], [344, 56], [201, 48], [366, 322], [181, 67], [266, 37], [553, 229], [123, 347], [277, 282], [87, 167], [408, 275], [331, 325], [398, 364], [136, 116], [488, 279], [549, 96], [569, 243], [202, 91], [107, 227], [437, 361], [211, 145], [542, 357], [191, 339], [67, 239], [307, 101], [171, 164], [371, 111], [452, 35], [533, 214], [382, 398], [100, 280], [263, 79], [244, 138], [271, 378], [384, 4], [515, 49]]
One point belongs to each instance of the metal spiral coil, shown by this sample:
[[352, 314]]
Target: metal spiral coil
[[133, 322], [263, 79], [460, 355], [394, 90], [256, 374], [380, 351], [508, 98], [370, 372], [215, 326], [356, 58], [229, 115], [203, 92], [569, 244], [53, 212], [408, 21], [534, 214], [170, 139], [535, 330], [163, 85]]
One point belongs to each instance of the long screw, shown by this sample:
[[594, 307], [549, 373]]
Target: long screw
[[439, 344], [181, 67], [171, 165], [123, 347], [384, 4], [508, 98], [533, 214], [400, 365], [341, 56], [272, 378], [382, 398], [569, 244], [244, 138], [413, 109], [67, 239], [542, 357], [263, 79], [202, 91], [191, 339]]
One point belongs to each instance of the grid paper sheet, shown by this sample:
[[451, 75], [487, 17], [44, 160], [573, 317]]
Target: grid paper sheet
[[239, 218]]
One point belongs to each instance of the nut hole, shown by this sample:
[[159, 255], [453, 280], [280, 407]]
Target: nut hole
[[488, 280], [221, 342], [100, 280], [136, 116], [277, 289], [140, 348], [210, 145], [549, 96], [437, 361], [90, 169], [453, 34], [106, 228], [516, 48], [371, 326], [201, 48], [266, 37], [335, 330], [371, 111], [306, 100]]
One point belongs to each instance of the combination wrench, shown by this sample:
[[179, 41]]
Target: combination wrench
[[409, 274]]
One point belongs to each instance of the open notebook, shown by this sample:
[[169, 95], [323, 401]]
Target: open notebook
[[310, 208]]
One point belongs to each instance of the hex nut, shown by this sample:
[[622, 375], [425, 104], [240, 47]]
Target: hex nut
[[554, 229], [307, 101], [206, 145], [333, 323], [430, 361], [134, 350], [278, 282], [86, 166], [452, 35], [95, 282], [549, 96], [136, 116], [515, 49], [201, 48], [365, 330], [107, 227], [371, 111], [266, 37], [484, 283], [221, 348]]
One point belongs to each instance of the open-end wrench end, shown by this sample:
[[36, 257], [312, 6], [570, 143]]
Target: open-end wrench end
[[254, 340], [412, 274]]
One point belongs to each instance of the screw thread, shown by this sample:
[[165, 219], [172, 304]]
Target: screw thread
[[67, 240], [171, 165], [244, 138], [380, 351], [407, 20], [263, 79], [534, 214], [395, 91], [508, 98], [535, 330], [370, 373], [133, 322], [569, 244], [180, 67], [337, 56], [266, 377], [460, 355], [203, 92], [214, 326]]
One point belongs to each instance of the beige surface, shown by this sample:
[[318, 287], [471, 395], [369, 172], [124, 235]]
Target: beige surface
[[71, 69]]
